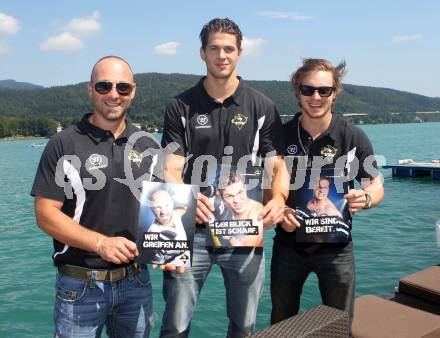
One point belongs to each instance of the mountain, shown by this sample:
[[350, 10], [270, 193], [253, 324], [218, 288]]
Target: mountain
[[155, 89], [14, 85]]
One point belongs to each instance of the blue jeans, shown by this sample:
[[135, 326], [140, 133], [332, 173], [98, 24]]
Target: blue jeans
[[82, 308], [289, 270], [243, 275]]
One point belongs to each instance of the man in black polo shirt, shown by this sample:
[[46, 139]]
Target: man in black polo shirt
[[86, 198], [315, 139], [220, 119]]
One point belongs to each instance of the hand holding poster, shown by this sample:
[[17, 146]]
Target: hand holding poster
[[321, 209], [166, 224], [237, 206]]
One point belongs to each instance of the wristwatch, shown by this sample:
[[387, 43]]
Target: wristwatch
[[367, 201]]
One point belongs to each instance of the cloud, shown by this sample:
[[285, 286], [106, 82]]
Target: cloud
[[285, 16], [8, 24], [167, 48], [252, 47], [4, 48], [84, 26], [406, 38], [62, 42], [71, 38]]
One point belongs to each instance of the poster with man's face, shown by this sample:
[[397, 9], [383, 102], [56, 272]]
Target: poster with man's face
[[166, 223], [320, 207], [236, 197]]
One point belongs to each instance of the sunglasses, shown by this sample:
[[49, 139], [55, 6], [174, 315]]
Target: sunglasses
[[310, 90], [123, 88]]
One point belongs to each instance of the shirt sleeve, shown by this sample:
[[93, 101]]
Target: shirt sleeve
[[45, 182], [271, 133], [365, 155], [174, 129]]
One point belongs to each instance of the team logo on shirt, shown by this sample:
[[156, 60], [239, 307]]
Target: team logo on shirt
[[96, 161], [329, 153], [239, 120], [292, 149], [202, 120], [135, 157]]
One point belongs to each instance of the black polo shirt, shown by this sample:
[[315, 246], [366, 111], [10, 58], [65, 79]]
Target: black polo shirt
[[342, 146], [83, 167], [247, 120]]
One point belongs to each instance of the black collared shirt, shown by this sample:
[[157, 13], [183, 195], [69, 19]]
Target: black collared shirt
[[247, 120], [342, 146], [83, 167]]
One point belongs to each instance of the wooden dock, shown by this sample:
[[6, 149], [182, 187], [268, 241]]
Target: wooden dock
[[407, 168]]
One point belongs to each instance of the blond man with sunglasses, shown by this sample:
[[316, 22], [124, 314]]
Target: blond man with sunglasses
[[92, 215], [317, 138]]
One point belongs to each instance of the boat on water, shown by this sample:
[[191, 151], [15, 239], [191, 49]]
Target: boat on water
[[35, 145]]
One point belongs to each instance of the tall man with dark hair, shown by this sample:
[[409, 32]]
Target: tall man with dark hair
[[221, 116], [233, 192], [83, 201], [322, 140]]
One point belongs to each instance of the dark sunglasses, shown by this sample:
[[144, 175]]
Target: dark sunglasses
[[310, 90], [123, 88]]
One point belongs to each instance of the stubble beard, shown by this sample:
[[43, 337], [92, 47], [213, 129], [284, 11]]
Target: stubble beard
[[112, 115], [311, 115]]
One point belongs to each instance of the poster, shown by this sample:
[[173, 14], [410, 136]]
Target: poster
[[320, 207], [237, 200], [166, 223]]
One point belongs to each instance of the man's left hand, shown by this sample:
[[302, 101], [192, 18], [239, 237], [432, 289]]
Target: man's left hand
[[273, 212], [169, 267]]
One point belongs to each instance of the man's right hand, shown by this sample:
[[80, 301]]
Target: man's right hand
[[116, 250], [290, 223], [204, 209]]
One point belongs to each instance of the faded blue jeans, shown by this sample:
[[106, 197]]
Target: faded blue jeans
[[82, 308], [243, 275], [334, 268]]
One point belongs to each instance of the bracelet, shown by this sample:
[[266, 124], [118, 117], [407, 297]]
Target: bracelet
[[98, 244], [289, 210]]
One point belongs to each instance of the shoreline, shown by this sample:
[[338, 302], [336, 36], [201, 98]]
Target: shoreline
[[22, 138]]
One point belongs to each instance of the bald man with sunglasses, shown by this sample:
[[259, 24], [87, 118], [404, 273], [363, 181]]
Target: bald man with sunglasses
[[316, 138], [84, 200]]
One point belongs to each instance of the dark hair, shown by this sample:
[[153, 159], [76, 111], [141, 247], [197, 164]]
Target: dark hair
[[223, 26], [316, 65], [228, 179], [105, 58]]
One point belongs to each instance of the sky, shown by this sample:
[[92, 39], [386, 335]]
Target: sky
[[392, 44]]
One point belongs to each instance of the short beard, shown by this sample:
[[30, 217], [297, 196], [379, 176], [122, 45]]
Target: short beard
[[113, 118]]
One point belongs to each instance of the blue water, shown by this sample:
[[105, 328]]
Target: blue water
[[392, 240]]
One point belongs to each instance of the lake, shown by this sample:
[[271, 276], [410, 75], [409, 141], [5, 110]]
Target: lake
[[393, 240]]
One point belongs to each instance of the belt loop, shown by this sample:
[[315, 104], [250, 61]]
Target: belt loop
[[92, 280], [130, 270]]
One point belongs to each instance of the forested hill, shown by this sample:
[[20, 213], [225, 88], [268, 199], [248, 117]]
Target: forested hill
[[12, 84], [155, 89]]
